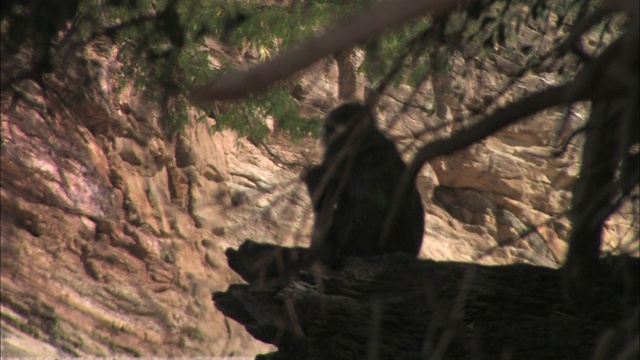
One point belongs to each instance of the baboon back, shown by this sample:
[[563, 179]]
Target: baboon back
[[358, 193]]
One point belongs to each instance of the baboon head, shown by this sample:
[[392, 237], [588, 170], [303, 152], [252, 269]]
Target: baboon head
[[341, 121]]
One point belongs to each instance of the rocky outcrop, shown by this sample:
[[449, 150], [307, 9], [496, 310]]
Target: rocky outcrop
[[396, 306], [112, 235]]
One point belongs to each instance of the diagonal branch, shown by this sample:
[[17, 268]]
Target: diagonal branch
[[589, 82], [354, 29], [501, 118]]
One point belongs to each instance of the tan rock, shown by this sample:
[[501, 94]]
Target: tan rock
[[137, 155], [207, 201], [147, 198], [204, 150]]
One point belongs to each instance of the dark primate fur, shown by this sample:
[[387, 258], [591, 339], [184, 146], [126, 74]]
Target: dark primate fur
[[352, 191]]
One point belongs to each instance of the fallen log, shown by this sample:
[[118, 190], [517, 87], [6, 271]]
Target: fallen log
[[398, 307]]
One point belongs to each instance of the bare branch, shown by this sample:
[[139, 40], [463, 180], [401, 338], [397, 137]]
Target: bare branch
[[356, 28], [589, 82], [565, 144], [478, 131]]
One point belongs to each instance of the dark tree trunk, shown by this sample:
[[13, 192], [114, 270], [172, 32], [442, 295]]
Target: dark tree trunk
[[609, 169], [397, 307]]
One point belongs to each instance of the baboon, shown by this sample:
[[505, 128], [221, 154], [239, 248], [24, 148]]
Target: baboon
[[352, 191]]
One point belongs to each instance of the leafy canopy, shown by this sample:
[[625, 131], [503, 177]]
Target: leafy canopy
[[162, 45]]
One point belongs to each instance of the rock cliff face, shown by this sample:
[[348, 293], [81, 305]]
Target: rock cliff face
[[113, 234]]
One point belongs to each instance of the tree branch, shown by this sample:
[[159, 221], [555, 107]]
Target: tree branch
[[356, 28], [442, 310], [501, 118]]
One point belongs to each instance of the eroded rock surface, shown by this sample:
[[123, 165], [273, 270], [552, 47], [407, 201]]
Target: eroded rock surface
[[112, 234]]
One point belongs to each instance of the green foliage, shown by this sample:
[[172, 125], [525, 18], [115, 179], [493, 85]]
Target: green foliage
[[169, 54], [163, 53], [162, 49], [161, 44], [276, 27], [246, 118], [381, 53], [488, 28]]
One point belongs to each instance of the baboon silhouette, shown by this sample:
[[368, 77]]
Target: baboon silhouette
[[352, 191]]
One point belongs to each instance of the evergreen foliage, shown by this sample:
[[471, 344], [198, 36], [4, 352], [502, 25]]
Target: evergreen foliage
[[161, 44]]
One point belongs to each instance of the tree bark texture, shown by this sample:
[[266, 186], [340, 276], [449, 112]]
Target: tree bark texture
[[397, 307]]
